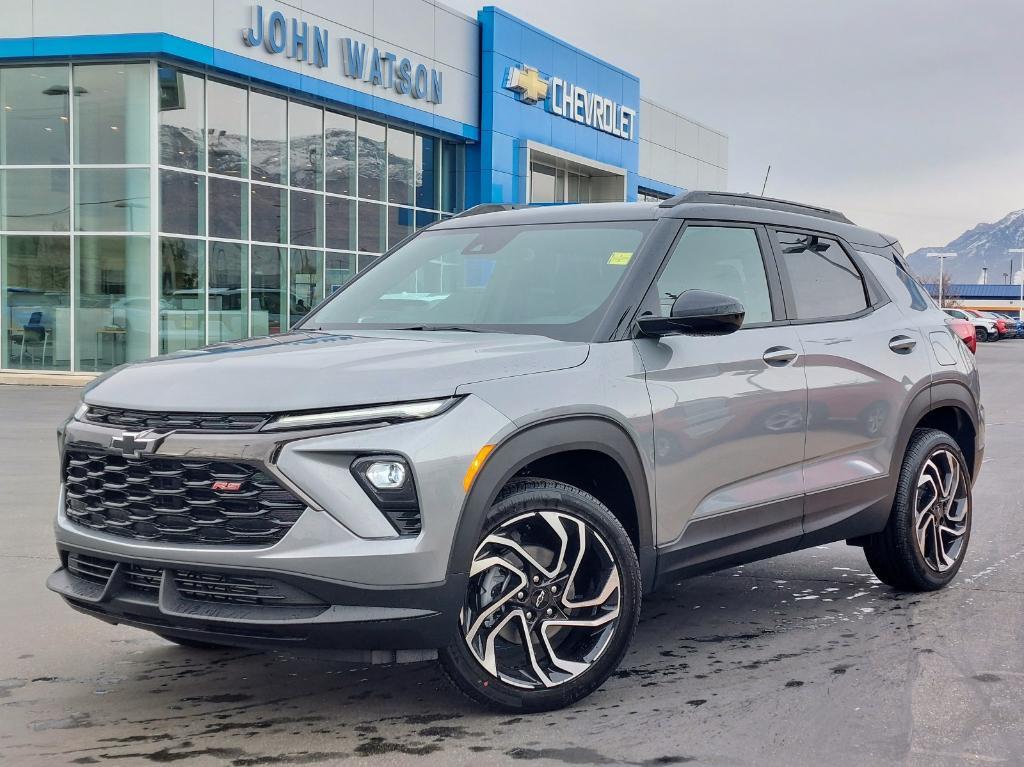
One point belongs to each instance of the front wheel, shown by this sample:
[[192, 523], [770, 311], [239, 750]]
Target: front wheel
[[552, 602], [924, 543]]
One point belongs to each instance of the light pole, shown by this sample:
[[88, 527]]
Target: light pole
[[1020, 308], [942, 260]]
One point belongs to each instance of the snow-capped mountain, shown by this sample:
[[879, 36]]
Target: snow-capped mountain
[[985, 245]]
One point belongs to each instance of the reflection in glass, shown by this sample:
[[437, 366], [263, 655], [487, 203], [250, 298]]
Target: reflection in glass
[[112, 308], [424, 218], [400, 167], [111, 113], [182, 288], [269, 126], [229, 208], [112, 200], [306, 288], [452, 175], [341, 267], [340, 137], [36, 275], [35, 120], [426, 172], [366, 261], [181, 118], [400, 224], [306, 129], [340, 221], [227, 115], [306, 218], [269, 205], [372, 160], [182, 205], [227, 293], [269, 286], [371, 227], [36, 200]]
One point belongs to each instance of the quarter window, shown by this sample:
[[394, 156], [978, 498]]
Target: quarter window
[[823, 281], [720, 259]]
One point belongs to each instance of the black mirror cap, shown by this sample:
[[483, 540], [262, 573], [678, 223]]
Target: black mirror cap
[[697, 313]]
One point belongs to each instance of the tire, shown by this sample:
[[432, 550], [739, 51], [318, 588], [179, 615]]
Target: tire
[[593, 561], [194, 644], [899, 556], [992, 335]]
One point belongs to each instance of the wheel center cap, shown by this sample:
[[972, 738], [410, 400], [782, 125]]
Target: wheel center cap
[[539, 598]]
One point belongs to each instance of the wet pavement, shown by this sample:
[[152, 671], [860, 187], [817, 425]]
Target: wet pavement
[[799, 660]]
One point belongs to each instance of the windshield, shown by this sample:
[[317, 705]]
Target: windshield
[[548, 279]]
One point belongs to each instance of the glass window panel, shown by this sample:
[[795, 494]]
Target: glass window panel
[[35, 120], [401, 172], [36, 200], [111, 113], [340, 138], [306, 288], [112, 200], [542, 183], [340, 221], [371, 227], [182, 319], [424, 218], [229, 208], [269, 213], [426, 172], [372, 160], [306, 129], [182, 118], [366, 261], [269, 289], [228, 292], [452, 175], [227, 131], [269, 126], [36, 271], [112, 307], [822, 280], [182, 203], [341, 267], [400, 224], [307, 219]]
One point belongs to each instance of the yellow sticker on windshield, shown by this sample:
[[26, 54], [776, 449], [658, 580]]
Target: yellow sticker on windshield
[[620, 258]]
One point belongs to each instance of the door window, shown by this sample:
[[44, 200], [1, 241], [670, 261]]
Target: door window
[[720, 259], [822, 280]]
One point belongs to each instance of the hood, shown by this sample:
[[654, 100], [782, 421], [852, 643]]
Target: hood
[[313, 370]]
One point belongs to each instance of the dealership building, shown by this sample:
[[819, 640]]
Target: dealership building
[[177, 174]]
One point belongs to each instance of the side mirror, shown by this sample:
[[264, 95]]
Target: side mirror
[[697, 313]]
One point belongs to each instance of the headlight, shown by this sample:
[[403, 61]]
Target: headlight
[[409, 411], [80, 412]]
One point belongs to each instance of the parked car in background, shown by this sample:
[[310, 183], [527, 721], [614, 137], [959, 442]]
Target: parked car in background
[[1014, 323], [966, 331], [986, 328], [1001, 327]]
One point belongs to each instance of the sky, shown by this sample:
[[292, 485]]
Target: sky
[[907, 115]]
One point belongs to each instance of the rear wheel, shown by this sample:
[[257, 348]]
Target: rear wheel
[[923, 545], [552, 602]]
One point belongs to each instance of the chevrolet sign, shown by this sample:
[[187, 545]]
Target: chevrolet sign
[[572, 102]]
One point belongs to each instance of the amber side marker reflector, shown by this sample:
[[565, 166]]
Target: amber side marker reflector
[[474, 468]]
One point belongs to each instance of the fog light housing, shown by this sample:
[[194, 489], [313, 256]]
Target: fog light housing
[[386, 475]]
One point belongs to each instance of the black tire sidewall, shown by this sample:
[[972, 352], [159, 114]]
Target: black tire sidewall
[[530, 495]]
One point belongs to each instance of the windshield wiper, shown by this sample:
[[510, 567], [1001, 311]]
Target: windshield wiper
[[460, 328]]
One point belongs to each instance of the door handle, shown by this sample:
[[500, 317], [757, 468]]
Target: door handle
[[777, 356], [902, 344]]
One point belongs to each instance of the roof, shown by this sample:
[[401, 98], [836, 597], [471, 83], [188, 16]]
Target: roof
[[970, 290]]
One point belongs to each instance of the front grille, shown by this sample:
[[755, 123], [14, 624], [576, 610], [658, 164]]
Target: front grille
[[172, 500], [406, 521], [92, 569], [140, 419]]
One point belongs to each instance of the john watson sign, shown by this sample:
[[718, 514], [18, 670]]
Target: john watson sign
[[380, 68]]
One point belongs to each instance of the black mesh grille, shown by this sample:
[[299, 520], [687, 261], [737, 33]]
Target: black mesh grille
[[92, 569], [173, 499], [139, 419]]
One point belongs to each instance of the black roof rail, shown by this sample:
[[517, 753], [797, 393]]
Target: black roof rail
[[490, 207], [754, 201]]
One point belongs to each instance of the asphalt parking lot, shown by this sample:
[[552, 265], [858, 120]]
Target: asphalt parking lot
[[799, 660]]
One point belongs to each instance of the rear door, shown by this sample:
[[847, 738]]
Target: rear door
[[729, 411], [864, 360]]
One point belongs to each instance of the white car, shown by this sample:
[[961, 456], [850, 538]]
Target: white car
[[985, 327]]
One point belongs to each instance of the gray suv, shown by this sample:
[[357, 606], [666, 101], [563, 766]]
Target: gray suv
[[492, 443]]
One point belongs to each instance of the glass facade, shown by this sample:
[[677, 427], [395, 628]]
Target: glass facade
[[146, 209]]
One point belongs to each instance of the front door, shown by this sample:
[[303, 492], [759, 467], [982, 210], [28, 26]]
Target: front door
[[729, 411]]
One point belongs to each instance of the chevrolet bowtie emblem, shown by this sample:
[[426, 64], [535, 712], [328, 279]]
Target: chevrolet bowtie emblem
[[528, 83], [136, 444]]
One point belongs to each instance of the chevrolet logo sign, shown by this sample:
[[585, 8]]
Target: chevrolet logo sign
[[135, 445], [528, 83]]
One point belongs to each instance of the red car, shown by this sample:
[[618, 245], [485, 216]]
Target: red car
[[1004, 331], [966, 331]]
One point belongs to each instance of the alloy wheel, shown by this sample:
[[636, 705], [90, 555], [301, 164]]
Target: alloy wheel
[[544, 600], [942, 508]]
